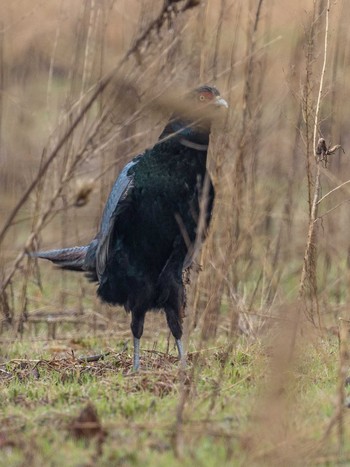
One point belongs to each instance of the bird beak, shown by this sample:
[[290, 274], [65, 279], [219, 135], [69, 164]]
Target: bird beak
[[220, 102]]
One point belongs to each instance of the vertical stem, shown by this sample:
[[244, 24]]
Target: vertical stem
[[2, 84], [309, 266], [218, 38], [343, 368], [320, 91]]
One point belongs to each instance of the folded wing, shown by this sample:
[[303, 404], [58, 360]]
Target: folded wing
[[92, 258]]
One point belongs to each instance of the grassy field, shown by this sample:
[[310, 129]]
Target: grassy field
[[85, 86], [236, 409]]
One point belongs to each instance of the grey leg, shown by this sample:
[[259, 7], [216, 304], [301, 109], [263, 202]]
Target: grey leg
[[137, 321], [179, 348], [136, 354], [174, 323]]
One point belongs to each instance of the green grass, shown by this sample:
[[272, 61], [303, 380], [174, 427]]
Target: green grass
[[227, 418]]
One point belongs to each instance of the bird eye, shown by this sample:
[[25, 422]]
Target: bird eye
[[201, 97]]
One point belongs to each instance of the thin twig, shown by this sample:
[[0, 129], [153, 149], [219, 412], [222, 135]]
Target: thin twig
[[332, 191]]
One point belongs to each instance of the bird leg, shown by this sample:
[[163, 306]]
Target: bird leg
[[137, 320], [174, 323], [179, 348], [136, 365], [181, 352]]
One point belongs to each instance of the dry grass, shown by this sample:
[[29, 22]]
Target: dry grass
[[86, 85]]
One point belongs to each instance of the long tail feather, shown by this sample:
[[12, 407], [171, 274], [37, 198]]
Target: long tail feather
[[65, 258]]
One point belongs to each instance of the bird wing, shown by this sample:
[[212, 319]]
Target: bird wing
[[121, 189]]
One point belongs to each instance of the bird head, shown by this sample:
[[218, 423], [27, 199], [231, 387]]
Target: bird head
[[207, 96], [195, 113]]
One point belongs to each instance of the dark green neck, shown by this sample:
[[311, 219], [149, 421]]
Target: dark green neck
[[187, 133]]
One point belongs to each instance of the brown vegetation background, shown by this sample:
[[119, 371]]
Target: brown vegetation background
[[266, 58]]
